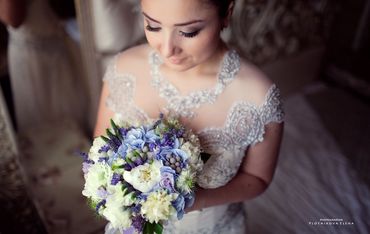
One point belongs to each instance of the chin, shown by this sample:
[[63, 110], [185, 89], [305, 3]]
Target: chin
[[179, 67]]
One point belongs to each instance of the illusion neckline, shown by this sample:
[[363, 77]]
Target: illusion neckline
[[184, 105]]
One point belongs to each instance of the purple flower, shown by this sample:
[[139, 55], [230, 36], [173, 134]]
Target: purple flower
[[123, 131], [104, 148], [85, 167], [116, 178], [102, 193], [138, 223], [102, 203]]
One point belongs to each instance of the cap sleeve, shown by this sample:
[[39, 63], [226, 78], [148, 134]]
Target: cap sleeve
[[121, 89], [270, 111], [272, 108]]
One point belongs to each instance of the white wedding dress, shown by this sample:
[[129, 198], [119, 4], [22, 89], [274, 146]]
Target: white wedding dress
[[244, 126], [47, 84]]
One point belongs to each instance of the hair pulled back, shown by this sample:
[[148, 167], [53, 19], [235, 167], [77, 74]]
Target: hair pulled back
[[222, 6]]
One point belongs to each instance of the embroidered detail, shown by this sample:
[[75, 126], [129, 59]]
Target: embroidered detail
[[121, 93], [184, 105], [243, 126]]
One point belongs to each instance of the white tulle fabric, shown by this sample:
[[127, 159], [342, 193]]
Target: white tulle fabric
[[244, 126]]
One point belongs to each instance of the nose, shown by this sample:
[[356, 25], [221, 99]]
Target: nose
[[168, 47]]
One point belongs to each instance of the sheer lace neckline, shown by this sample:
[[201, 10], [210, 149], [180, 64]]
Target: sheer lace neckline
[[184, 105]]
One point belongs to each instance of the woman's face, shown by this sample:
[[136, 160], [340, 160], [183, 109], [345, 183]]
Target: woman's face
[[184, 32]]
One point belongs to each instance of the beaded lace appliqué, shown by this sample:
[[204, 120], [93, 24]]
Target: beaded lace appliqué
[[184, 105], [244, 125]]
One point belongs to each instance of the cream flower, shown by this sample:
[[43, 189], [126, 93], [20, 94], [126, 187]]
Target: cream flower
[[144, 177], [117, 196], [158, 206], [119, 120], [98, 176], [118, 216], [194, 152]]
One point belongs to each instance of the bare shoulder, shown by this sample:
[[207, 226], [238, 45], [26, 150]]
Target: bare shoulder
[[133, 59], [251, 83]]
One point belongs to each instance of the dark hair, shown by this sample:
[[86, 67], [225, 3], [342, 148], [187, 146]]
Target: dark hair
[[222, 6]]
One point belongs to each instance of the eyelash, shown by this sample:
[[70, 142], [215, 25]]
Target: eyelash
[[184, 34]]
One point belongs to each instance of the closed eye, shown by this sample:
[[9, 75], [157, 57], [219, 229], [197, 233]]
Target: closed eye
[[190, 35], [152, 29]]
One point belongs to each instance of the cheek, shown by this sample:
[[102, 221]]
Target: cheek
[[205, 43], [152, 39]]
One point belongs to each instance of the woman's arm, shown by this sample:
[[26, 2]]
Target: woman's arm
[[104, 113], [254, 176], [12, 12]]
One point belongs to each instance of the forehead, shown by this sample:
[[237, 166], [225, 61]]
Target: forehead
[[177, 11]]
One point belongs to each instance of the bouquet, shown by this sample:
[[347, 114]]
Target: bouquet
[[139, 177]]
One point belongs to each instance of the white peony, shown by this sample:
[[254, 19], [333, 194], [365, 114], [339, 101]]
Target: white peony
[[118, 216], [98, 176], [158, 206], [94, 150], [144, 177]]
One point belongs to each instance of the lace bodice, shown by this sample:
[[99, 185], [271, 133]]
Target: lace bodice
[[244, 125]]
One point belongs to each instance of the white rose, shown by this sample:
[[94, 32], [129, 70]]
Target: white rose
[[158, 206], [99, 175], [144, 177]]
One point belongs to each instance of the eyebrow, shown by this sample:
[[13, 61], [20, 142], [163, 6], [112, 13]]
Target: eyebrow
[[179, 24]]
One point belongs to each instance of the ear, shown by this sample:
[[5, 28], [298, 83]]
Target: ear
[[229, 14]]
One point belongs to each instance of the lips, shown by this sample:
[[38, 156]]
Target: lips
[[174, 60]]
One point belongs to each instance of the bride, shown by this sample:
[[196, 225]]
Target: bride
[[188, 70]]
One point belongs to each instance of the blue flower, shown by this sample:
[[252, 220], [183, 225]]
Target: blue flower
[[175, 151], [167, 178], [135, 138], [122, 150], [189, 199], [150, 136], [179, 205]]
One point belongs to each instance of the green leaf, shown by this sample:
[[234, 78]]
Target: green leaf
[[105, 139], [128, 160], [110, 134], [148, 228], [125, 192], [116, 129], [158, 228]]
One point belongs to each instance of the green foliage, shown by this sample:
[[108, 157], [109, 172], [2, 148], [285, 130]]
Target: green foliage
[[151, 228]]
